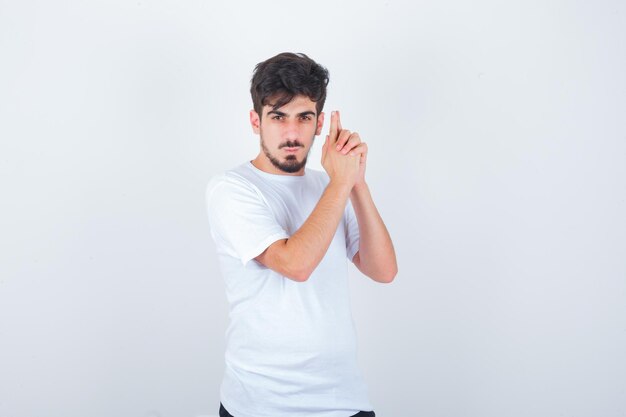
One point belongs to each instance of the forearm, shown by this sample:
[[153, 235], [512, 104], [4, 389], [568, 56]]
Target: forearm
[[376, 253], [308, 245]]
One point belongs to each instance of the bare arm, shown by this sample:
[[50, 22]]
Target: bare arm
[[376, 257], [297, 257]]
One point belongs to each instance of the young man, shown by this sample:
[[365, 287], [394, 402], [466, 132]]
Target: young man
[[284, 234]]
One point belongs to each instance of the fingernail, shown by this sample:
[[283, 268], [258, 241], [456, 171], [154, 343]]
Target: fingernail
[[338, 147]]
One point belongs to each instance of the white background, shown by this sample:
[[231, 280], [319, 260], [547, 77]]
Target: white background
[[497, 158]]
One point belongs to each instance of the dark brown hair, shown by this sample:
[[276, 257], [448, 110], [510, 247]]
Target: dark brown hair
[[285, 76]]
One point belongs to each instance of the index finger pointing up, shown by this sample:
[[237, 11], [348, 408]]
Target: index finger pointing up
[[334, 133]]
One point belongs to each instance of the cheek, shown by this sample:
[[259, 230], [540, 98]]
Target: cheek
[[310, 129], [270, 133]]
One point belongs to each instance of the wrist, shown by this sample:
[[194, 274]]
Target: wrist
[[342, 185], [359, 186]]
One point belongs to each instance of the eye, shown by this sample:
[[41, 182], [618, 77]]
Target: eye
[[307, 117], [277, 117]]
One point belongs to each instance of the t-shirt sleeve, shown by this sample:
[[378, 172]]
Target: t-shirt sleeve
[[241, 222], [352, 231]]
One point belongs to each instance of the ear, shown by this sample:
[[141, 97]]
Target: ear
[[255, 121], [320, 124]]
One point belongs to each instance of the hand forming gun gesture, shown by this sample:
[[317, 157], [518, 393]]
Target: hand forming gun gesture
[[343, 154]]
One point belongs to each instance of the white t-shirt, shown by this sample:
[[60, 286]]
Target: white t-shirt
[[290, 346]]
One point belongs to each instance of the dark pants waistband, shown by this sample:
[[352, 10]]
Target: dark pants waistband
[[225, 413]]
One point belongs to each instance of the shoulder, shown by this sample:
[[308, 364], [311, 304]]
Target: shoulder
[[228, 183]]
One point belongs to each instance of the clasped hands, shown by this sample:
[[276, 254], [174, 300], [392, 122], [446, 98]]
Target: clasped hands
[[344, 155]]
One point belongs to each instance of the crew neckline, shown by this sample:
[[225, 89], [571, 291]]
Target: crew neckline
[[277, 177]]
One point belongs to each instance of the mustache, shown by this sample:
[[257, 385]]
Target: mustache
[[292, 145]]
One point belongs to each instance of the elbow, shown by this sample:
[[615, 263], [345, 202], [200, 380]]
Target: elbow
[[298, 274], [303, 278], [294, 267], [297, 277], [302, 275], [302, 271], [390, 276], [387, 279]]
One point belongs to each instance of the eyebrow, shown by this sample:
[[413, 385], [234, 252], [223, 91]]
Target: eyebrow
[[280, 113]]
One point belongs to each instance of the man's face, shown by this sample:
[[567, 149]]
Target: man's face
[[287, 133]]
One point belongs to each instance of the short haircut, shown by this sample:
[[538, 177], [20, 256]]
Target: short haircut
[[285, 76]]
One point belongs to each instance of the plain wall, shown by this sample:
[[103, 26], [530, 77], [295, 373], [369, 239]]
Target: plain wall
[[497, 159]]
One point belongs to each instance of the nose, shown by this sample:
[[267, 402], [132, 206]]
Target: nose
[[292, 130]]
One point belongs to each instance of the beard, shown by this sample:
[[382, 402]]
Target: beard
[[290, 164]]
